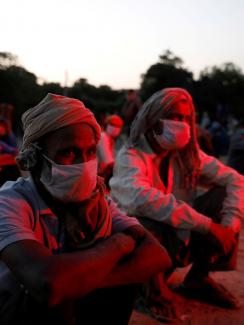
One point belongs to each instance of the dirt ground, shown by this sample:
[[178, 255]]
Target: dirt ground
[[201, 313]]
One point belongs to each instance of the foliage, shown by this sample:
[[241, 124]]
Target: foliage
[[219, 85], [223, 85], [7, 59], [98, 99], [168, 72]]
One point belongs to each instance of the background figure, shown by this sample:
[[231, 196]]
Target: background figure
[[204, 139], [205, 120], [106, 146], [236, 151], [9, 170], [130, 109], [220, 138]]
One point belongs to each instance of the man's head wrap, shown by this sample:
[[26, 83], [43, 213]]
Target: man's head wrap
[[156, 107], [159, 106], [51, 114]]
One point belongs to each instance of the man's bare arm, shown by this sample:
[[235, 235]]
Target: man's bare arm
[[148, 259], [54, 278]]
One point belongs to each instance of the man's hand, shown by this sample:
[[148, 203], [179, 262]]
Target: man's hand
[[223, 237], [125, 243], [145, 261], [136, 232]]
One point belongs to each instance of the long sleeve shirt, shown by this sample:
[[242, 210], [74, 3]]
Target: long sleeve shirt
[[138, 189]]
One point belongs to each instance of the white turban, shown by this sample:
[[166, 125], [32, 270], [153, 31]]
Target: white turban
[[52, 113], [156, 107]]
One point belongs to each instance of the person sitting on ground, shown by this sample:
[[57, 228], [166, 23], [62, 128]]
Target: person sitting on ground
[[68, 254], [106, 146], [156, 177]]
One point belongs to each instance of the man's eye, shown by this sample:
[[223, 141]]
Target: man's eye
[[67, 154]]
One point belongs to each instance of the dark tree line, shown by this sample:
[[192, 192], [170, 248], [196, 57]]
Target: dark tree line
[[219, 85], [216, 86]]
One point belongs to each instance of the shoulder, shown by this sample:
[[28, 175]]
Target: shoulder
[[18, 212], [140, 152], [20, 186], [18, 194]]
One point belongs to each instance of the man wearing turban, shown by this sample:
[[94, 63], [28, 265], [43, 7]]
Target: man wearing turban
[[157, 177], [68, 254]]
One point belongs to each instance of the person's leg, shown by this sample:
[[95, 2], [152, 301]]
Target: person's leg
[[157, 298], [22, 309], [210, 204], [110, 306], [206, 259]]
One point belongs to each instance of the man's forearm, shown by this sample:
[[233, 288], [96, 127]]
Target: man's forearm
[[86, 271], [52, 279], [148, 259]]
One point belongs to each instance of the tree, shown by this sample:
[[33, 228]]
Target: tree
[[168, 72], [169, 58], [100, 100], [7, 59], [51, 87], [222, 85]]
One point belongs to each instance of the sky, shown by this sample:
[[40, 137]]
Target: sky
[[114, 42]]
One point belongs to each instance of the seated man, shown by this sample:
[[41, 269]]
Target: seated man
[[68, 255], [156, 177]]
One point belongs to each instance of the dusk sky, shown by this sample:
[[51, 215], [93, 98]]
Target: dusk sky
[[114, 42]]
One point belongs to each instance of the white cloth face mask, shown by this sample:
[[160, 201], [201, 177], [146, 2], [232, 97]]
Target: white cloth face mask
[[175, 135], [113, 131], [70, 183]]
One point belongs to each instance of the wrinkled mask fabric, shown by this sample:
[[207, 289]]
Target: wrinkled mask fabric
[[70, 183], [175, 135]]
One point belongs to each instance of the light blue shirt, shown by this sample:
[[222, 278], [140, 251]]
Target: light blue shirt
[[24, 215]]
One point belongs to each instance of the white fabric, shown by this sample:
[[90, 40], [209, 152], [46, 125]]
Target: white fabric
[[137, 187], [53, 113], [70, 183], [175, 135], [156, 107]]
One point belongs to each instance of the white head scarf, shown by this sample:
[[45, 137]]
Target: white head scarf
[[156, 107], [159, 106], [52, 113]]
